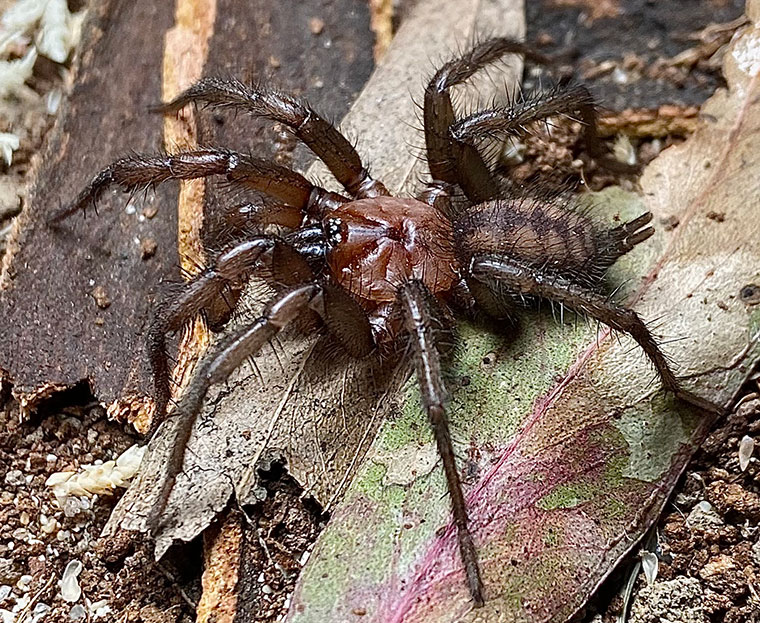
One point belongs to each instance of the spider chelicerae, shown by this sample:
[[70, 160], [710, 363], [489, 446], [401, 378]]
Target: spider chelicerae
[[378, 269]]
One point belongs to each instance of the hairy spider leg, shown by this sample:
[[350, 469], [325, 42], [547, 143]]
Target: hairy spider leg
[[414, 300], [139, 171], [527, 280], [511, 121], [218, 365], [449, 159], [233, 267], [322, 137]]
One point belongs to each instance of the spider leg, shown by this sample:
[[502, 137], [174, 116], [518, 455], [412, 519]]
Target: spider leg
[[232, 268], [451, 160], [527, 280], [281, 183], [438, 195], [319, 135], [418, 317], [511, 121], [233, 350]]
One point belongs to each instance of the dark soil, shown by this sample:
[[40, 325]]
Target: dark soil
[[708, 540], [38, 539]]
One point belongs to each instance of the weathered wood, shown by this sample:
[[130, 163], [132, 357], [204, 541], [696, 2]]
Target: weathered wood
[[74, 299]]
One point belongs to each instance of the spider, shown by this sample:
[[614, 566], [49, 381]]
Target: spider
[[379, 270]]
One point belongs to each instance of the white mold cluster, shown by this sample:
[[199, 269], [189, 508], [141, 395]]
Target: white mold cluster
[[93, 480], [28, 29]]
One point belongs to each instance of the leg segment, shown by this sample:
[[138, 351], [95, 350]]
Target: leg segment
[[438, 195], [526, 280], [413, 299], [451, 160], [135, 172], [512, 119], [219, 364], [232, 268], [319, 135]]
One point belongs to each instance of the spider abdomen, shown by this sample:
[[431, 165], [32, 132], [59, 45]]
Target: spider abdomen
[[534, 232], [385, 241]]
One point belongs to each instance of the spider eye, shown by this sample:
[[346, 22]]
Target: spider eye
[[333, 231]]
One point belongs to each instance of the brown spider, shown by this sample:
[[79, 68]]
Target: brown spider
[[374, 267]]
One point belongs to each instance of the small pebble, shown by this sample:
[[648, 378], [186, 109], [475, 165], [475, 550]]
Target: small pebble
[[40, 609], [150, 211], [101, 297], [77, 612], [746, 448], [20, 534], [703, 516], [15, 478], [148, 248], [72, 507], [50, 525], [100, 609], [70, 589], [24, 582], [316, 26]]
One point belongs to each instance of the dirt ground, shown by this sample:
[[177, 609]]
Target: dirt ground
[[708, 542]]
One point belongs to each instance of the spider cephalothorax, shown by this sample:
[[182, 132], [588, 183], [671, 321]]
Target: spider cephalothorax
[[376, 268]]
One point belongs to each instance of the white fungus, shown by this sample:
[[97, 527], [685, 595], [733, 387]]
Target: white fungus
[[38, 27], [8, 144], [13, 75], [53, 101], [746, 448], [90, 480], [56, 30], [70, 589]]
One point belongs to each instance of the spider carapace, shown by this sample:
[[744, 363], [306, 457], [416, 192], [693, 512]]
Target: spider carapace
[[377, 269]]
